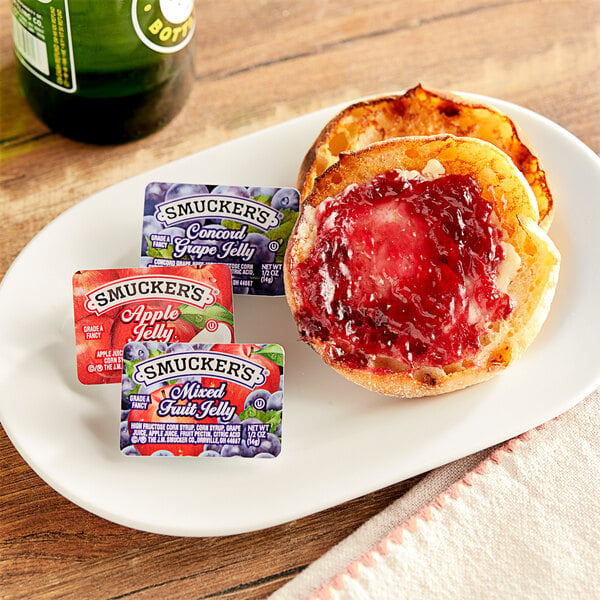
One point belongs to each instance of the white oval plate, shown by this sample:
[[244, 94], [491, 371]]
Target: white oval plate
[[339, 441]]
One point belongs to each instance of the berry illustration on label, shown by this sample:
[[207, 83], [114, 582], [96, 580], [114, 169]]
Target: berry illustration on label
[[204, 400], [246, 228], [114, 307]]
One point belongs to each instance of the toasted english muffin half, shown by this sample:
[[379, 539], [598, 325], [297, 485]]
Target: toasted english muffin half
[[421, 111], [345, 306]]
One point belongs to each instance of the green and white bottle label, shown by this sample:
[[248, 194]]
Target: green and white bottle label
[[163, 25], [43, 43]]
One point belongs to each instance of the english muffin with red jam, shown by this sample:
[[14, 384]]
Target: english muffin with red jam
[[417, 265]]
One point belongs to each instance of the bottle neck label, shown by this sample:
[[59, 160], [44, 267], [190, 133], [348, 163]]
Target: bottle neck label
[[164, 26], [43, 42]]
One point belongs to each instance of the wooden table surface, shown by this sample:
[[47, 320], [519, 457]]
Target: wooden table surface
[[257, 64]]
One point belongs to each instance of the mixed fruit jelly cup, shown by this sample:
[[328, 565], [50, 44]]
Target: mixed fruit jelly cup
[[204, 400]]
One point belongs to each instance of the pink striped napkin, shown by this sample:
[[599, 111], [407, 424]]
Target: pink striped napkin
[[521, 520]]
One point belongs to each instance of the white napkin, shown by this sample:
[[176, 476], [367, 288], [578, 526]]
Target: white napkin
[[521, 520]]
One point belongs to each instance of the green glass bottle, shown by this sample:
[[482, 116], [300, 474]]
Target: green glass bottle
[[104, 71]]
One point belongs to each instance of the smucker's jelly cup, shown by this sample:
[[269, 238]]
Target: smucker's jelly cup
[[247, 228], [146, 305], [206, 400]]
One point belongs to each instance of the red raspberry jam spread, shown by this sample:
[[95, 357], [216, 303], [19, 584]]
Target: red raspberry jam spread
[[403, 267]]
